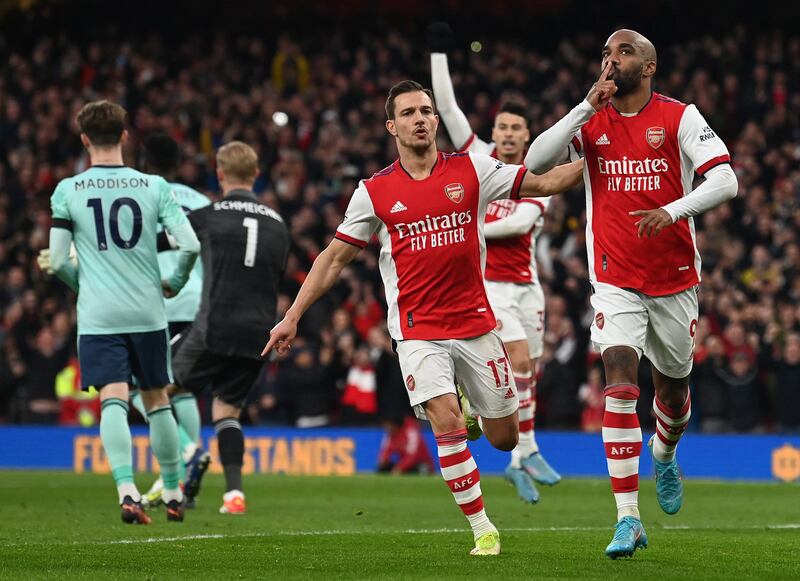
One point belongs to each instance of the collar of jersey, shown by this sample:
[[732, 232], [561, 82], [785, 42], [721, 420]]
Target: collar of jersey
[[621, 116], [107, 166], [241, 193], [434, 170]]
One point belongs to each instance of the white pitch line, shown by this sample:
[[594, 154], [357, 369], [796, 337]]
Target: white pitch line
[[159, 540], [337, 532]]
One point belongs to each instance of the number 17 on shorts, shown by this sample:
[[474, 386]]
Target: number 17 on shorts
[[480, 364]]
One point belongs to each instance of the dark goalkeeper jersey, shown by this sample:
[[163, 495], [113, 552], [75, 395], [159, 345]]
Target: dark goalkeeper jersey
[[244, 247]]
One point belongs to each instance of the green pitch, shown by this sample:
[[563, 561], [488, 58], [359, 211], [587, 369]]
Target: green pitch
[[60, 526]]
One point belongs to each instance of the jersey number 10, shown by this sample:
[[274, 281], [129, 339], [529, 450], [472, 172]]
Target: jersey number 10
[[96, 204]]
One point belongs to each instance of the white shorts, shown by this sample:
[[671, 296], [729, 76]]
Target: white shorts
[[480, 365], [662, 328], [519, 309]]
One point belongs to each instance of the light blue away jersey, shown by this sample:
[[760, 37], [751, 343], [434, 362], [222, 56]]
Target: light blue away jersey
[[114, 213], [183, 307]]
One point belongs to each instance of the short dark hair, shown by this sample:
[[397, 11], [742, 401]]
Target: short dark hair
[[161, 152], [515, 109], [405, 87], [103, 122]]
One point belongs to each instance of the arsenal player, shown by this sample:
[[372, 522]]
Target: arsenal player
[[512, 282], [642, 151], [427, 210]]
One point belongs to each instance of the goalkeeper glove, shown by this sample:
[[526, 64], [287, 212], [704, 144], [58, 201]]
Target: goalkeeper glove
[[43, 259]]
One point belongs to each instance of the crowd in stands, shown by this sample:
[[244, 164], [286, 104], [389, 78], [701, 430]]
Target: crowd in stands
[[314, 111]]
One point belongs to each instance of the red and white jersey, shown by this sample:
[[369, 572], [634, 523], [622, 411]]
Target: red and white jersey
[[432, 246], [511, 259], [642, 162]]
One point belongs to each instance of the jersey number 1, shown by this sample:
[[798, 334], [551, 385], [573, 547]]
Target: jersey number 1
[[252, 241], [96, 204]]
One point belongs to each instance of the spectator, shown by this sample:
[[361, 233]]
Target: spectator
[[290, 70], [745, 409], [591, 397], [403, 449], [708, 389], [77, 408], [302, 381], [391, 386], [787, 386], [359, 395], [43, 364]]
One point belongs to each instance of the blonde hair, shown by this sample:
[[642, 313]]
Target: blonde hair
[[238, 161]]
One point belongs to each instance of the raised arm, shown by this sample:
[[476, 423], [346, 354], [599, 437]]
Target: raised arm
[[550, 147], [454, 119], [440, 37], [324, 273]]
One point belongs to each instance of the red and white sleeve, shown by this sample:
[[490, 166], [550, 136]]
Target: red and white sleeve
[[497, 180], [700, 143], [360, 221], [710, 159]]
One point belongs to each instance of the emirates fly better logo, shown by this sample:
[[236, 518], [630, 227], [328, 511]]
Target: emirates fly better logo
[[455, 192]]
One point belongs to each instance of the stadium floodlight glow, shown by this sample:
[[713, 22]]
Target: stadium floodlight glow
[[280, 118], [476, 46]]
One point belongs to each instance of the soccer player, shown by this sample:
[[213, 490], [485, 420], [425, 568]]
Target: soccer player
[[428, 209], [642, 150], [112, 212], [161, 156], [245, 245], [512, 283]]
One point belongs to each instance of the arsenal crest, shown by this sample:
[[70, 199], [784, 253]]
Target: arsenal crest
[[455, 192], [600, 321], [656, 137], [410, 383]]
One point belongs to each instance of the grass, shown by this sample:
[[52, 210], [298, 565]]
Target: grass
[[66, 526]]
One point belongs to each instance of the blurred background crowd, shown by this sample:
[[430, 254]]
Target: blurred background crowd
[[311, 103]]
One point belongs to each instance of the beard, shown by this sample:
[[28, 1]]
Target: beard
[[627, 81], [417, 145]]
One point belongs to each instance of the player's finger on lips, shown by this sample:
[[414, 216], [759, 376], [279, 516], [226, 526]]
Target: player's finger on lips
[[604, 73]]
